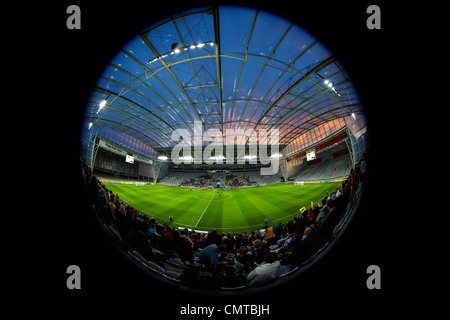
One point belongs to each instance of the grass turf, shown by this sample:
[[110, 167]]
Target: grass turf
[[235, 210]]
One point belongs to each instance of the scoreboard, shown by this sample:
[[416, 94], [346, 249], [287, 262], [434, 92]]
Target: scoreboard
[[311, 155]]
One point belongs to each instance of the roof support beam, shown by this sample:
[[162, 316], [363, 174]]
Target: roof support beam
[[219, 72], [150, 45], [137, 105], [317, 68]]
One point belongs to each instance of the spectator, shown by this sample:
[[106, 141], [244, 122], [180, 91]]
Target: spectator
[[278, 230], [263, 250], [139, 242], [313, 240], [269, 235], [254, 250], [210, 255], [331, 219], [224, 259], [239, 241], [186, 251], [300, 225], [194, 238], [214, 238], [229, 242], [229, 278], [252, 237], [160, 242], [244, 240], [150, 230], [244, 262], [290, 226], [264, 272]]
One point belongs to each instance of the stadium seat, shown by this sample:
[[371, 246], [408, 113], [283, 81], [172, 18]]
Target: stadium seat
[[232, 288], [154, 267], [322, 249], [158, 253], [138, 256], [114, 233], [175, 263], [283, 271], [311, 258], [192, 266], [172, 276]]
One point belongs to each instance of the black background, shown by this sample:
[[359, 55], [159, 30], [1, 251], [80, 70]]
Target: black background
[[74, 59]]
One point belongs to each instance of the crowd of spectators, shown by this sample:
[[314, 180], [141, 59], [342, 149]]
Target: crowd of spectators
[[242, 180], [214, 260], [231, 180]]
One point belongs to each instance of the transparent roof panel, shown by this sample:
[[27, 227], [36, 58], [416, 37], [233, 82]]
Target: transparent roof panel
[[228, 67]]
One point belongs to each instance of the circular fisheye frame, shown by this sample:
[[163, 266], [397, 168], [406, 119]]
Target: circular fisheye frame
[[224, 149]]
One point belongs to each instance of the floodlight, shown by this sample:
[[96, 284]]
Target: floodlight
[[102, 104]]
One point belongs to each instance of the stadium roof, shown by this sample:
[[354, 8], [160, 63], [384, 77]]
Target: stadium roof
[[228, 67]]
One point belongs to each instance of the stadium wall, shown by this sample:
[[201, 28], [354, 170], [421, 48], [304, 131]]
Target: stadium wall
[[114, 164], [294, 170], [109, 161]]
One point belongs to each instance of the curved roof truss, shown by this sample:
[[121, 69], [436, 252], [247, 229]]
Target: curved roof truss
[[227, 67]]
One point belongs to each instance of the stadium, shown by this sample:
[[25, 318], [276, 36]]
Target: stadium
[[222, 141]]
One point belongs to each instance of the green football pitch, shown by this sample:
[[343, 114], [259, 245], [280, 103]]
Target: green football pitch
[[235, 210]]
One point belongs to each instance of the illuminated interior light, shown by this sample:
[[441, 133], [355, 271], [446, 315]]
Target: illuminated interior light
[[102, 104], [276, 155]]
